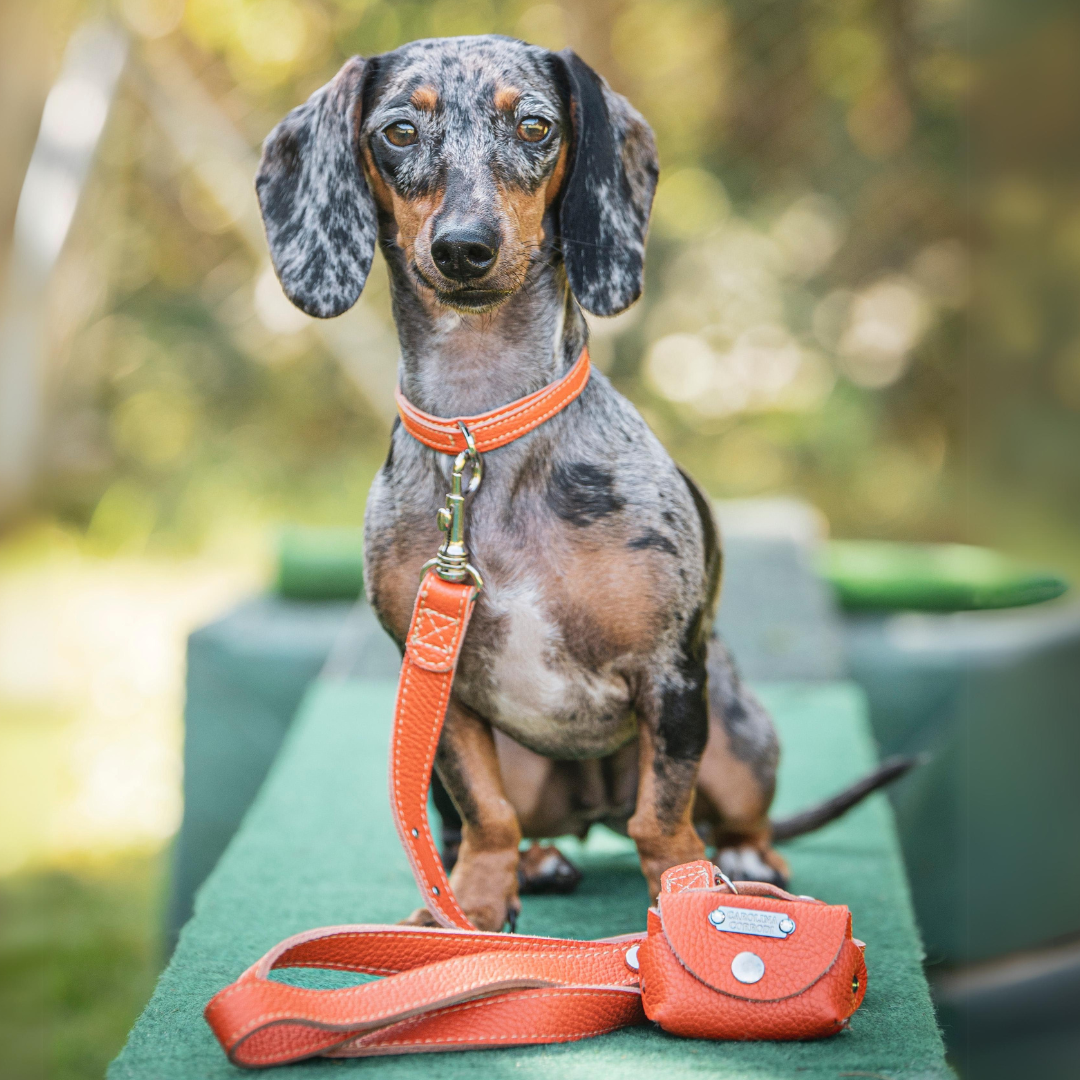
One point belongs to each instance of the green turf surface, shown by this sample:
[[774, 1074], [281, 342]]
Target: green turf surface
[[318, 848]]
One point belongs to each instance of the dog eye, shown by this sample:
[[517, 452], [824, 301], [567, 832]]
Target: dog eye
[[401, 134], [533, 129]]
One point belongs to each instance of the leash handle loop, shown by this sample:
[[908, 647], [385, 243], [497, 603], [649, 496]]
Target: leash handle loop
[[443, 990]]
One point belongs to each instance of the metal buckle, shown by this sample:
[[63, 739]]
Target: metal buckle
[[726, 880], [452, 561]]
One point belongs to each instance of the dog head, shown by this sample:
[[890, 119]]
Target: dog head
[[478, 157]]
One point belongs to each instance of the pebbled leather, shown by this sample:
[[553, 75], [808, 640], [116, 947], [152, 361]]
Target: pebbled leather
[[450, 989], [792, 964], [813, 982], [436, 632], [493, 429]]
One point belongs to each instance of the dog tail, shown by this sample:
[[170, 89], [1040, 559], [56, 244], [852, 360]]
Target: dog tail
[[815, 816]]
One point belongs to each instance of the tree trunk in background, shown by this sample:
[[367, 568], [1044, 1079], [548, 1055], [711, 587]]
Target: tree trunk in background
[[28, 62], [73, 118]]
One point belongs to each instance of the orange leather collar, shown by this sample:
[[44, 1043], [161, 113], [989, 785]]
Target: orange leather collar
[[500, 426]]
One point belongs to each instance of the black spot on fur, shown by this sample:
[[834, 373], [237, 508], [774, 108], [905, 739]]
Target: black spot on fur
[[683, 724], [650, 538], [684, 721], [581, 493]]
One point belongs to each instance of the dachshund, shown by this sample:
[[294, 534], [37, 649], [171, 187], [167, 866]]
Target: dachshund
[[509, 190]]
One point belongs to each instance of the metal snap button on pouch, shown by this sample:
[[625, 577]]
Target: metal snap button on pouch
[[748, 967]]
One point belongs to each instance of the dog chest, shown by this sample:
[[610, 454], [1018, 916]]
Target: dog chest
[[520, 674]]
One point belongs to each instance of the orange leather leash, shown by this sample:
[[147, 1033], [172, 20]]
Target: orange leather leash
[[454, 988], [436, 633], [448, 588], [458, 988], [447, 989], [444, 990]]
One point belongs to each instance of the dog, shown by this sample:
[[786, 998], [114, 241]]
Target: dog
[[509, 189]]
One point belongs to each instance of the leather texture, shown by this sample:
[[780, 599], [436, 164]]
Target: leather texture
[[451, 989], [493, 429], [436, 632], [813, 980], [456, 988]]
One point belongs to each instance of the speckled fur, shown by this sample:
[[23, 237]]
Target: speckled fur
[[600, 558]]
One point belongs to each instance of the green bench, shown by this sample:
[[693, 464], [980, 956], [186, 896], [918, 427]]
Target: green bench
[[318, 848]]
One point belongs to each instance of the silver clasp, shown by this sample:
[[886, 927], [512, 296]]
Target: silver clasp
[[452, 561]]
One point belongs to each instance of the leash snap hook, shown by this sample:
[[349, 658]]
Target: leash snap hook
[[452, 561]]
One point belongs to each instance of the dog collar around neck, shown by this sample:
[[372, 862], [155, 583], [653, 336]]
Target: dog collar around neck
[[500, 426]]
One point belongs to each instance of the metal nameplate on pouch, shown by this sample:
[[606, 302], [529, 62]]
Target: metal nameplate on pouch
[[734, 920]]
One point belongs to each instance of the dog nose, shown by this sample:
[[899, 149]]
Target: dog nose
[[465, 253]]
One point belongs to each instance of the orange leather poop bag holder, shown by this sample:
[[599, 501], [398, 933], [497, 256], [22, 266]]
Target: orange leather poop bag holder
[[719, 960]]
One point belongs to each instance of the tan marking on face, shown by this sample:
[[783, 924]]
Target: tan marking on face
[[507, 97], [556, 180], [412, 216], [523, 231], [523, 225], [425, 97], [378, 185]]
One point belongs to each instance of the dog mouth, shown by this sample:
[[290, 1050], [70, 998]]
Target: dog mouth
[[473, 299]]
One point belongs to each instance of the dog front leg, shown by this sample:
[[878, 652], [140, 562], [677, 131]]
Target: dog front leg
[[484, 878], [671, 738]]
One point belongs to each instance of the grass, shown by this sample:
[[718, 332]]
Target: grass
[[79, 954]]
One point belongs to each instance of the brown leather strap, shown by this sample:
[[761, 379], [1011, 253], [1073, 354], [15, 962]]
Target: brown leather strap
[[500, 426]]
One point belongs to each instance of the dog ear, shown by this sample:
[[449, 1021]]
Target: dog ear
[[605, 204], [317, 208]]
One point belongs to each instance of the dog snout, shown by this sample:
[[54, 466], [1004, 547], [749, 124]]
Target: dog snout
[[465, 252]]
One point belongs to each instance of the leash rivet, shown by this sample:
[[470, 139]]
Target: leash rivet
[[748, 967], [632, 957], [435, 889], [416, 832]]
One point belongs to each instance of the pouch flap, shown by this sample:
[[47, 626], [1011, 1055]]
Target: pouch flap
[[780, 966]]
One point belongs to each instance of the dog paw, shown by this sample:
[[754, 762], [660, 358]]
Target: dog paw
[[484, 918], [492, 918], [747, 863], [545, 869], [420, 917]]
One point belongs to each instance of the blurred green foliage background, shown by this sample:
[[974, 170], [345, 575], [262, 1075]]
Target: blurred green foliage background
[[862, 289], [862, 275]]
